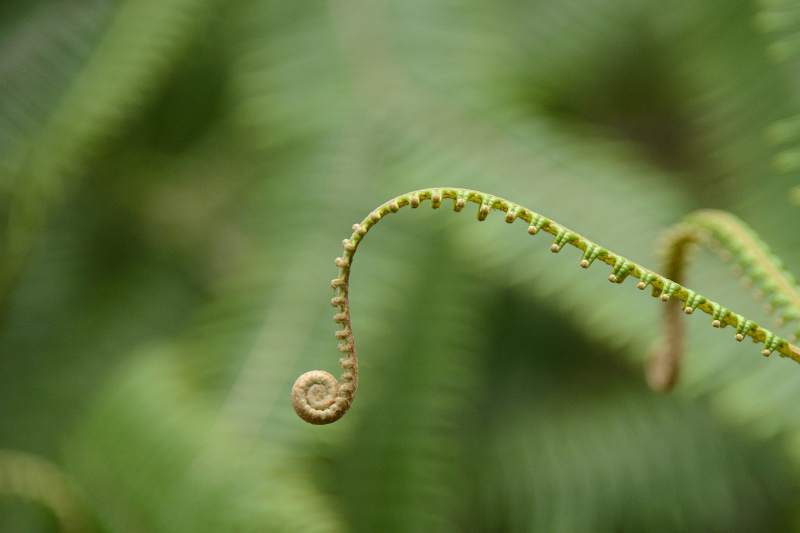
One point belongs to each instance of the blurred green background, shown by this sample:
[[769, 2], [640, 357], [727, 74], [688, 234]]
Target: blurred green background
[[176, 177]]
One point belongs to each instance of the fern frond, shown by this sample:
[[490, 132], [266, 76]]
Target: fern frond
[[196, 436], [57, 39], [123, 70], [429, 352], [735, 242], [319, 399], [150, 460], [619, 461], [781, 20]]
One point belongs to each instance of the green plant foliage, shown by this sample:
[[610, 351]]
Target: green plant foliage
[[319, 399], [176, 176]]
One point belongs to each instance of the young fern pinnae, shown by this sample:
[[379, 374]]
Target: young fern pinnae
[[319, 398], [760, 270]]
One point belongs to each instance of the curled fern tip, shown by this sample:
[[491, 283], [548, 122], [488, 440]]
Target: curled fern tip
[[318, 398]]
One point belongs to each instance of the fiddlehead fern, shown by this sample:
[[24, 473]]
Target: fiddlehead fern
[[319, 399], [735, 242]]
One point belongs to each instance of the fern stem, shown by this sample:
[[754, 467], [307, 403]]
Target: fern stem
[[319, 399]]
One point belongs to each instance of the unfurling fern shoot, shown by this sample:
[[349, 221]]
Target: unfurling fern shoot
[[319, 398]]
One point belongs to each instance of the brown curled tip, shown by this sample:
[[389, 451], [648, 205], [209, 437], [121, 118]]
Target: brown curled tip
[[315, 398]]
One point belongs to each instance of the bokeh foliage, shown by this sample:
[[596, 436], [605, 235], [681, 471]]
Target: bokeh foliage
[[176, 177]]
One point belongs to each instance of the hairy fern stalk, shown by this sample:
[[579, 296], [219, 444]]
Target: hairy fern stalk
[[318, 398]]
